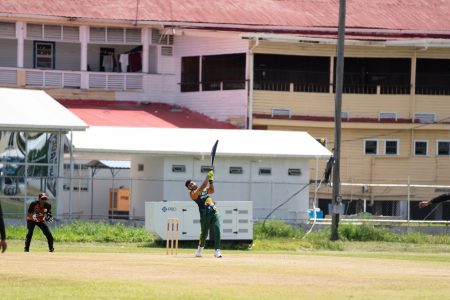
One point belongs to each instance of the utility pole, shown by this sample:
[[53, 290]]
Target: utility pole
[[336, 200]]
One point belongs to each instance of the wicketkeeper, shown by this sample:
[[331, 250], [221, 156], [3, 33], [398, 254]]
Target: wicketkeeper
[[39, 212], [209, 217]]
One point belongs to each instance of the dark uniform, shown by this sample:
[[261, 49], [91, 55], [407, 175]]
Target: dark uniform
[[440, 198], [2, 231], [38, 212], [209, 217]]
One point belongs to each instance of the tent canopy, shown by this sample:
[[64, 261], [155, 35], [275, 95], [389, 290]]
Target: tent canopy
[[131, 141], [35, 110], [110, 164]]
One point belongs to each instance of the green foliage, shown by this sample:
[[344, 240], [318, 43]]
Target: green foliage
[[88, 232], [274, 235], [369, 232], [276, 229], [365, 232]]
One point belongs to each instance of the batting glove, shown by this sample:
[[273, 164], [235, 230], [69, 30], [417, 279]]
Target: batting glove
[[34, 217], [211, 175]]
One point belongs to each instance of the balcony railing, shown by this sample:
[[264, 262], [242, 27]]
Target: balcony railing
[[73, 79], [115, 81], [318, 82], [8, 76], [213, 86], [55, 79]]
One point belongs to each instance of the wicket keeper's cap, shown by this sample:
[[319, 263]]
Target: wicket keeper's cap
[[43, 196]]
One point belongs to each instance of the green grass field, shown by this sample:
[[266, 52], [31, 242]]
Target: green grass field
[[103, 261], [133, 271]]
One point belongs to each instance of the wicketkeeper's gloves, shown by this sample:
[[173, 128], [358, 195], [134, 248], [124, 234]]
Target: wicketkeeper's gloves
[[48, 218]]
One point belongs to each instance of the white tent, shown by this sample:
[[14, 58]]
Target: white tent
[[35, 110], [129, 141]]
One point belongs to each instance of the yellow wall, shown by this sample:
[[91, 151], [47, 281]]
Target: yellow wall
[[356, 167]]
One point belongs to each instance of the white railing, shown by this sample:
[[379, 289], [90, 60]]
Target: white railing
[[8, 76], [74, 79], [50, 78], [115, 81]]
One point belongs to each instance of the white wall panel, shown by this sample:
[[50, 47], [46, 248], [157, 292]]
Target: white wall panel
[[219, 105]]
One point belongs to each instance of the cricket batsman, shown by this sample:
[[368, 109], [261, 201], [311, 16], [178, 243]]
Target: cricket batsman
[[209, 217], [39, 212]]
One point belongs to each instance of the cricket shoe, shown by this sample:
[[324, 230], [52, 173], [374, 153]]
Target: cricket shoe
[[198, 253], [217, 253]]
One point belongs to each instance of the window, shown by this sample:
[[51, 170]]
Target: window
[[294, 172], [236, 170], [391, 147], [166, 51], [443, 148], [281, 112], [140, 167], [178, 168], [205, 169], [190, 74], [344, 115], [420, 148], [370, 147], [387, 116], [265, 171], [44, 55], [425, 117], [225, 72]]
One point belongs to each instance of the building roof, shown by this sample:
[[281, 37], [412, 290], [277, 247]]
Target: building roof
[[110, 164], [35, 110], [419, 16], [130, 141], [133, 114]]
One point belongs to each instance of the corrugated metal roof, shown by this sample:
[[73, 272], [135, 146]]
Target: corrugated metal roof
[[132, 114], [127, 141], [424, 15], [24, 109]]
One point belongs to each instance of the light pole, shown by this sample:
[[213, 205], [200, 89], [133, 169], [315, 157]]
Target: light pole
[[336, 200]]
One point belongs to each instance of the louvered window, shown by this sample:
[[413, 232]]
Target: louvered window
[[156, 36], [166, 51], [161, 39], [115, 35], [281, 112], [34, 31], [97, 34], [52, 32], [71, 33], [7, 29], [425, 117], [133, 36]]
